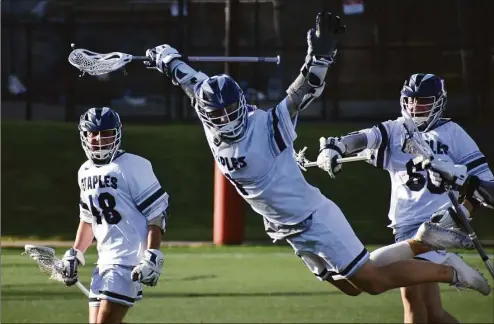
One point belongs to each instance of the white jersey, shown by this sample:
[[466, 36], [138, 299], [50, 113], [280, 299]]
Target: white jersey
[[413, 198], [262, 167], [118, 199]]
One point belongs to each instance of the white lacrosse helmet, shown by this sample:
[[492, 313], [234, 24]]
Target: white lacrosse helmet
[[424, 98], [221, 106], [101, 132]]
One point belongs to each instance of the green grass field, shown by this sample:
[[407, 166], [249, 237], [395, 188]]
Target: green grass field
[[222, 285]]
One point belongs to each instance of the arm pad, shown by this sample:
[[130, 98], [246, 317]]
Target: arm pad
[[354, 143], [480, 190], [159, 221], [185, 76], [309, 84]]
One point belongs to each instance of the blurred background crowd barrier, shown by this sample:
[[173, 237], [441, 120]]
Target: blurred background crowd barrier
[[386, 41]]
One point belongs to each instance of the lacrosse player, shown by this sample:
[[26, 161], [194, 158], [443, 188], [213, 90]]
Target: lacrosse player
[[123, 206], [414, 197], [253, 148]]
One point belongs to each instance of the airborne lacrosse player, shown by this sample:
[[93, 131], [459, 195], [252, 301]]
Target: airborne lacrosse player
[[414, 197], [123, 206], [253, 148]]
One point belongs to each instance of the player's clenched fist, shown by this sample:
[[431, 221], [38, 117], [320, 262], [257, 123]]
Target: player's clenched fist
[[160, 57], [149, 270], [330, 150]]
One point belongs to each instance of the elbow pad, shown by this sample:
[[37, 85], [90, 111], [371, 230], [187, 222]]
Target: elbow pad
[[183, 73], [310, 83], [159, 221]]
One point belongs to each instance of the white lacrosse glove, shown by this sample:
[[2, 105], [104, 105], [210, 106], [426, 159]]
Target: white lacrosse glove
[[149, 270], [70, 261], [443, 172], [446, 217], [160, 58], [330, 150]]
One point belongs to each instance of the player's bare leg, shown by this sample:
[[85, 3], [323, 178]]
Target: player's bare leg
[[110, 312], [414, 306], [431, 295], [375, 279], [345, 286], [422, 304], [93, 314]]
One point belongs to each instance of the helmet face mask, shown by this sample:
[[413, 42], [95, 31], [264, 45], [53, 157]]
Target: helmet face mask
[[100, 133], [424, 98], [221, 106]]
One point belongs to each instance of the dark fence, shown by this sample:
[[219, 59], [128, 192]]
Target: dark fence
[[383, 46]]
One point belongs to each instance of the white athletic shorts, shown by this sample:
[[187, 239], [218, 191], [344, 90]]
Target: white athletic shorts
[[330, 247], [114, 283]]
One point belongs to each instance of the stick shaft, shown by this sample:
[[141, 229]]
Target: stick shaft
[[82, 288], [342, 160], [462, 219], [238, 59]]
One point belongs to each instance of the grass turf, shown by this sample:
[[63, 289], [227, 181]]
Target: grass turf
[[222, 285]]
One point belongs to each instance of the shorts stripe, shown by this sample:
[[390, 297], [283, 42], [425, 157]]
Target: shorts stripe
[[351, 267], [128, 301]]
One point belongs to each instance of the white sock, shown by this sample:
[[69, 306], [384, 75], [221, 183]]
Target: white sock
[[392, 253]]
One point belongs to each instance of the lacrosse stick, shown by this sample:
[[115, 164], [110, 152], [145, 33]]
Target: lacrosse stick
[[94, 63], [49, 264], [415, 144], [303, 163]]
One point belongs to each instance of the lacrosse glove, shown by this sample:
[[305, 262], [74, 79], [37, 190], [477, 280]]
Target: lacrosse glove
[[321, 49], [70, 261], [330, 150], [160, 58], [323, 39], [444, 172], [149, 270]]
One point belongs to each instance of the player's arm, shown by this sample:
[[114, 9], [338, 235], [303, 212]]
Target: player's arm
[[466, 152], [478, 189], [310, 83], [167, 60], [375, 139], [74, 256], [84, 236], [154, 236], [473, 189], [152, 201]]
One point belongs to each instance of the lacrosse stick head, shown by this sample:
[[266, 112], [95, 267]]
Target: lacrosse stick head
[[94, 63], [414, 143], [300, 158], [47, 262]]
